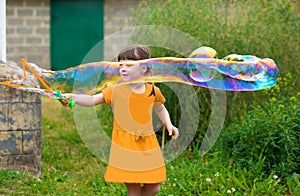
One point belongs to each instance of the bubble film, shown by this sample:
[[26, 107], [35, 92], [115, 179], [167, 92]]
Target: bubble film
[[244, 73], [232, 73]]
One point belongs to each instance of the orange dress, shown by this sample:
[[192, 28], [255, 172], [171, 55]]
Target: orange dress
[[135, 154]]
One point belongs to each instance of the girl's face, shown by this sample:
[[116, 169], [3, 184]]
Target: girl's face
[[131, 71]]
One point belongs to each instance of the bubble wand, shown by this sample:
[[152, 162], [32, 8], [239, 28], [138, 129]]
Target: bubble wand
[[17, 84]]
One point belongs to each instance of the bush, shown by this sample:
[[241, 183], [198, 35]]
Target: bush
[[262, 28], [268, 135]]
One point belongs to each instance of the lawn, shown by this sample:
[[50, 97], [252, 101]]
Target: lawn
[[69, 168]]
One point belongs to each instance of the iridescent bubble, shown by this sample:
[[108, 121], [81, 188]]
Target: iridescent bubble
[[233, 73]]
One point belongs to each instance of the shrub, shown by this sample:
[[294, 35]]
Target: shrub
[[267, 136], [262, 28]]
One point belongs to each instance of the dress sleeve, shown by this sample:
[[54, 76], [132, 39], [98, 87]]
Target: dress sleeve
[[107, 94], [159, 96]]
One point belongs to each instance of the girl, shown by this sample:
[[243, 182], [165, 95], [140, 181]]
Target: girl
[[135, 155]]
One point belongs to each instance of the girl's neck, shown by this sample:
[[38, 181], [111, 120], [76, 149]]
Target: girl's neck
[[137, 87]]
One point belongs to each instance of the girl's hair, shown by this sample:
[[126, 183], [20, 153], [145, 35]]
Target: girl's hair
[[135, 53]]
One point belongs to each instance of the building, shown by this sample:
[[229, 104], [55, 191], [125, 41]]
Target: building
[[39, 30]]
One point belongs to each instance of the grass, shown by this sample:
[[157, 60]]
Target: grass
[[68, 168], [251, 27]]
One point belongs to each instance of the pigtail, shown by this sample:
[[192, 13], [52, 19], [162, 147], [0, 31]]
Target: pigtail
[[153, 90]]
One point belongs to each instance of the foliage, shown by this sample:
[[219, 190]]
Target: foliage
[[258, 150], [210, 176], [68, 168], [187, 175], [268, 135], [262, 28]]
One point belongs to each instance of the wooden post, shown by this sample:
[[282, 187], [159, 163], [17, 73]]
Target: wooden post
[[2, 31]]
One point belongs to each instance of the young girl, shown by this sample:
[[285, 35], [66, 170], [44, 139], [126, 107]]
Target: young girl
[[135, 155]]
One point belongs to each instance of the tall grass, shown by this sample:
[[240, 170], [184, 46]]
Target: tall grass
[[262, 28], [267, 135], [257, 131]]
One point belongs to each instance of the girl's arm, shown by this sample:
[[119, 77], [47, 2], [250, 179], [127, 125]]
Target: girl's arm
[[164, 116], [83, 100]]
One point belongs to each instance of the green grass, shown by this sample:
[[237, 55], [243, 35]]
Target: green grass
[[68, 168], [263, 28]]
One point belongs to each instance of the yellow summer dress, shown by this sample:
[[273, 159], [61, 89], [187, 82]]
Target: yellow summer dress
[[135, 154]]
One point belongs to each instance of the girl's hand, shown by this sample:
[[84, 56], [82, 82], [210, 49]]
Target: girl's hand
[[65, 102], [173, 131]]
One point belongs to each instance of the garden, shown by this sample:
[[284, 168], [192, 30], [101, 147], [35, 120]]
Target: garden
[[258, 149]]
